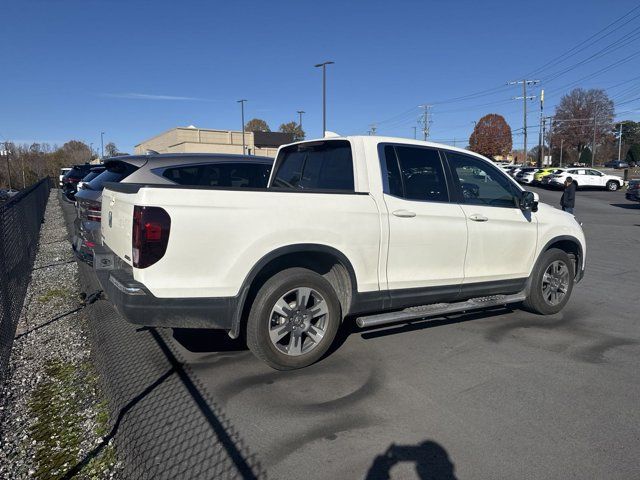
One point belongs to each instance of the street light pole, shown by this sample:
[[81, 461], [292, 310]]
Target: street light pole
[[324, 95], [241, 102], [102, 144]]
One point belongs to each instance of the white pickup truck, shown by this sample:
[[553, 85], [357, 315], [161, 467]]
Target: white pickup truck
[[380, 229]]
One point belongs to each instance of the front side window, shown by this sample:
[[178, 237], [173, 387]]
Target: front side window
[[482, 184], [316, 166], [415, 173]]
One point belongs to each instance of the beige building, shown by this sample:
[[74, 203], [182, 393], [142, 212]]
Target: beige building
[[205, 140]]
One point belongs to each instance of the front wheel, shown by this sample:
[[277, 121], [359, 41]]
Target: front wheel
[[293, 320], [612, 186], [551, 283]]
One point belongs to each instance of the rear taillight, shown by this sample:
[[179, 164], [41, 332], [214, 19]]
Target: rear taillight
[[150, 235], [94, 212]]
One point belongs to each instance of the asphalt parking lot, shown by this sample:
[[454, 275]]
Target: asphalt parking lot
[[505, 394], [502, 394]]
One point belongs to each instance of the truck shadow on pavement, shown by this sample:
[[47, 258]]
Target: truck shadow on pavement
[[202, 340], [431, 461], [628, 206], [570, 337]]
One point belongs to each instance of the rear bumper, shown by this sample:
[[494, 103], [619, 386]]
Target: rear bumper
[[139, 306]]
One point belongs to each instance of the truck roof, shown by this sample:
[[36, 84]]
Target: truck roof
[[376, 139]]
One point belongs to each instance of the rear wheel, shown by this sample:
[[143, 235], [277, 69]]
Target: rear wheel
[[293, 320], [551, 283], [612, 185]]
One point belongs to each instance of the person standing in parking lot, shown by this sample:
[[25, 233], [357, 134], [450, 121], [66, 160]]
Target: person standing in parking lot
[[568, 199]]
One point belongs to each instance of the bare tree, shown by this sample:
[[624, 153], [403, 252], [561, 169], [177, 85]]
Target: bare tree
[[111, 149], [576, 116]]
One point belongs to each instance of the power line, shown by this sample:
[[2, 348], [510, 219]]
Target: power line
[[573, 50], [600, 53]]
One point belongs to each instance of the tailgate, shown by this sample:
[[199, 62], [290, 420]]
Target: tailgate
[[117, 222]]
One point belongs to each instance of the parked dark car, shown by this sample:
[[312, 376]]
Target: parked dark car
[[240, 171], [633, 190], [617, 164], [72, 177], [93, 173]]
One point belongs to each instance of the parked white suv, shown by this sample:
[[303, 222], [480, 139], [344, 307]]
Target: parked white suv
[[587, 178], [382, 229]]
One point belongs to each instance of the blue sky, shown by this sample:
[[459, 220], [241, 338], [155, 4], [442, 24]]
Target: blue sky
[[71, 68]]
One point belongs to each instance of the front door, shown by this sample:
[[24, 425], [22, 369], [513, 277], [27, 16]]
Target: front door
[[502, 237]]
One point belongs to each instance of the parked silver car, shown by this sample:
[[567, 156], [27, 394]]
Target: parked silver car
[[239, 171]]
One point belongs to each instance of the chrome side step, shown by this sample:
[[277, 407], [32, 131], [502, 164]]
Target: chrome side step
[[439, 309]]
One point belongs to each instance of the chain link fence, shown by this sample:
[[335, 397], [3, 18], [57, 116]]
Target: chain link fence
[[20, 220]]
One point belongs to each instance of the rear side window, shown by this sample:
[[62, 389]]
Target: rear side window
[[115, 172], [238, 175], [415, 173], [316, 166]]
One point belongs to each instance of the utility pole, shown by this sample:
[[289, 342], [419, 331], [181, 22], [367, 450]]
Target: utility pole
[[561, 145], [300, 112], [595, 125], [5, 153], [540, 131], [620, 141], [324, 94], [102, 144], [373, 128], [524, 98], [415, 134], [241, 102], [425, 120]]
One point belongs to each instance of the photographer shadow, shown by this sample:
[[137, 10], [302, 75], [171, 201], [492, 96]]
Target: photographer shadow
[[431, 461]]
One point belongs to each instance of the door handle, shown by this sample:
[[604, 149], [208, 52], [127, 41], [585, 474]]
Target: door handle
[[476, 217], [404, 213]]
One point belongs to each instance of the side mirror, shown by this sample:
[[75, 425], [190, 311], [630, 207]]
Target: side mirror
[[529, 201]]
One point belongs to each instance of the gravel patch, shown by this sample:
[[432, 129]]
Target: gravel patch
[[52, 414]]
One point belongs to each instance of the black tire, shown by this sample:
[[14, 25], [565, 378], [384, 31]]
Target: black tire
[[536, 300], [612, 185], [260, 320]]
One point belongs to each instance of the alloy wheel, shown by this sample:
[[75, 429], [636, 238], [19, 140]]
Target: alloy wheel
[[555, 282], [298, 321]]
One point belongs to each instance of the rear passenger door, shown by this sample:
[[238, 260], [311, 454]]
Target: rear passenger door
[[596, 179], [502, 238], [427, 232]]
